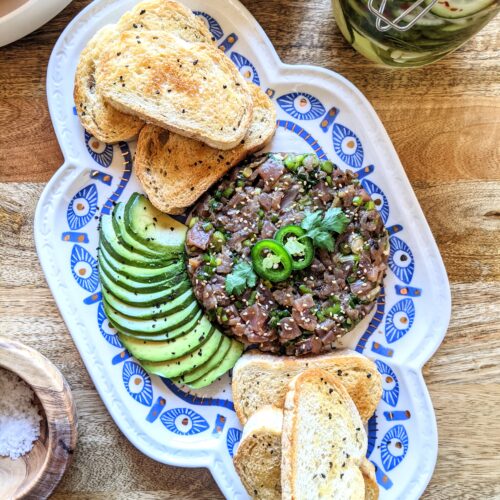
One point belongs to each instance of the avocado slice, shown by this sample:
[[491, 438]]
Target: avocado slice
[[142, 274], [153, 351], [176, 286], [234, 353], [214, 361], [150, 312], [188, 362], [131, 284], [154, 228], [160, 325], [182, 329], [127, 238], [115, 247]]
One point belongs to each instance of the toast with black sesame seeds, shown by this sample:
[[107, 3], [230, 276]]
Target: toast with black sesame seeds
[[175, 171], [261, 379], [96, 115], [168, 16], [189, 88], [258, 457], [323, 440]]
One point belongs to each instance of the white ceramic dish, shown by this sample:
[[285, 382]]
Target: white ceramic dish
[[320, 111], [27, 18]]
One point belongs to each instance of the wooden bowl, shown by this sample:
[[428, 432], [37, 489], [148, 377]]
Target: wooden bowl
[[37, 473]]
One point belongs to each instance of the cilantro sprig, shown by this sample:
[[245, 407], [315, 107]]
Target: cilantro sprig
[[241, 277], [294, 247], [319, 227]]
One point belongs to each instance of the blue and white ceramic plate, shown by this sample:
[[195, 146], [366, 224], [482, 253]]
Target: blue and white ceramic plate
[[318, 111]]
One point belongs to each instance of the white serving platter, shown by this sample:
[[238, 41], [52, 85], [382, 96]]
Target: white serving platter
[[318, 111]]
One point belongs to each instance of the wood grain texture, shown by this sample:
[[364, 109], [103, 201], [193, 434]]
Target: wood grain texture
[[36, 474], [444, 121]]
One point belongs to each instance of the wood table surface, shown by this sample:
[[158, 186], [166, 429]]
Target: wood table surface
[[444, 121]]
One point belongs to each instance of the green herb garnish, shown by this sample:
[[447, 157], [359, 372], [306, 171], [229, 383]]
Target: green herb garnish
[[241, 277], [294, 246], [319, 227]]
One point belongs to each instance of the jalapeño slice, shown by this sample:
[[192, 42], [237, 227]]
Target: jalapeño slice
[[271, 261], [299, 246]]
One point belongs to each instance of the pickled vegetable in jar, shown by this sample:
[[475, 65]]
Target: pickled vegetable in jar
[[425, 34]]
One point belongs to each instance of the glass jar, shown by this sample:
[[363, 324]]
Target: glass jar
[[445, 27]]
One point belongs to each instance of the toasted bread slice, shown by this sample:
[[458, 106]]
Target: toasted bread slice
[[189, 88], [371, 486], [262, 379], [169, 165], [323, 441], [258, 458], [168, 16], [97, 116]]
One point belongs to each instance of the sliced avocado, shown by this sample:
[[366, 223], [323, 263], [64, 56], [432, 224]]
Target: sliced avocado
[[152, 351], [169, 335], [160, 325], [142, 274], [149, 312], [234, 353], [214, 361], [177, 285], [127, 238], [188, 362], [153, 228], [129, 283], [115, 247]]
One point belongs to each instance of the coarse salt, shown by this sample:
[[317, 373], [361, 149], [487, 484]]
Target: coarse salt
[[19, 417]]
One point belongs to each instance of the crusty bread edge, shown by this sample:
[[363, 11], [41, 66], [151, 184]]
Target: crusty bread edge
[[371, 485]]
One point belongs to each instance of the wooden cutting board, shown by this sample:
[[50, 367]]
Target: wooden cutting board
[[444, 121]]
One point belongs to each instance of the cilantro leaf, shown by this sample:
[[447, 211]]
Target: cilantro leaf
[[311, 220], [325, 240], [319, 227], [241, 277], [335, 220], [294, 247]]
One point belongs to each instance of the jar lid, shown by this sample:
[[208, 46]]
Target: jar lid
[[399, 23]]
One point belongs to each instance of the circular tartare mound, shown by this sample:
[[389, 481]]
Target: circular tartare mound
[[313, 307]]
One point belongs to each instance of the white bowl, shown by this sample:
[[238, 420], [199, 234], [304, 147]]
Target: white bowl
[[28, 17]]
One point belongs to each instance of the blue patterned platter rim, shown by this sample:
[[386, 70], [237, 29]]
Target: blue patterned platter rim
[[319, 111]]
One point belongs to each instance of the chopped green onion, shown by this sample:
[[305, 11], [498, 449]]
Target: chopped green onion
[[303, 289], [247, 172], [357, 200], [252, 298], [332, 310], [218, 240], [345, 248], [327, 166]]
